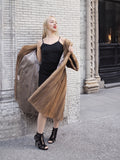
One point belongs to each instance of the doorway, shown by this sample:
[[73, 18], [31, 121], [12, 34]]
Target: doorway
[[109, 40]]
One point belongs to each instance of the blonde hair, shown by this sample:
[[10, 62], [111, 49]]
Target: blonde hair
[[44, 33]]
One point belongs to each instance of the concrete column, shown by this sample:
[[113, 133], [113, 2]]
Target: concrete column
[[1, 35], [6, 53], [10, 116]]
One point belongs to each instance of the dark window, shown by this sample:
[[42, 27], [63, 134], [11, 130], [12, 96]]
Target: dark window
[[109, 21], [109, 38]]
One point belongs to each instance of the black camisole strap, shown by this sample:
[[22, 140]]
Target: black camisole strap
[[59, 38]]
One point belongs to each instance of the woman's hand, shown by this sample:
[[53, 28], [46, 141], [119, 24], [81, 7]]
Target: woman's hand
[[70, 48], [68, 45]]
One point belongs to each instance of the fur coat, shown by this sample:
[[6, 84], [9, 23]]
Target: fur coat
[[49, 98]]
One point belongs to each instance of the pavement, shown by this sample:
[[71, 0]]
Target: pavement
[[96, 136]]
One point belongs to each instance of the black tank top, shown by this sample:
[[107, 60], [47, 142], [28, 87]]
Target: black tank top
[[51, 54]]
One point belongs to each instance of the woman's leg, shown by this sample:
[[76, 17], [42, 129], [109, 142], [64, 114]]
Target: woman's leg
[[39, 137], [41, 121], [55, 124]]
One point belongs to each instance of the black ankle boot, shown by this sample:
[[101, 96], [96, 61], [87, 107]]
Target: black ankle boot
[[39, 141], [52, 138]]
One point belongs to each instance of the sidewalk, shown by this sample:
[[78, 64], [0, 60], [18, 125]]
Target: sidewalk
[[96, 136]]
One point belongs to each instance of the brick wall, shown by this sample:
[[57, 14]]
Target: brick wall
[[22, 24]]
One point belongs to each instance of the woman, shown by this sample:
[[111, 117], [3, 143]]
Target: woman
[[54, 53], [49, 52]]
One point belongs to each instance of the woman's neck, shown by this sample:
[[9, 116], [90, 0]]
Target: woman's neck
[[51, 35]]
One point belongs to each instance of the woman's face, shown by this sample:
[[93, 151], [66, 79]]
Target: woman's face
[[52, 24]]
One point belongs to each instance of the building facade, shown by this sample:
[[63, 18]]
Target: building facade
[[21, 24]]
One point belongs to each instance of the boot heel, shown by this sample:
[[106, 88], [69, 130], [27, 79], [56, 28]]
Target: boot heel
[[39, 142], [36, 144]]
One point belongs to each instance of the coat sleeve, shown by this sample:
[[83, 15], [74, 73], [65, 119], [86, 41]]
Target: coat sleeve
[[73, 62]]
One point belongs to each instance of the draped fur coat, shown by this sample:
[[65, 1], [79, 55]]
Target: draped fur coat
[[49, 98]]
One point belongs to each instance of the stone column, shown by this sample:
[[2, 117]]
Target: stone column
[[91, 82], [97, 42]]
